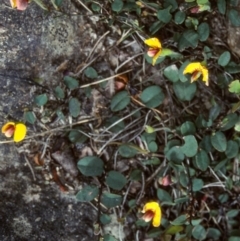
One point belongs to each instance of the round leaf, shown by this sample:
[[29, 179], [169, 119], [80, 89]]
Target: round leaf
[[117, 5], [105, 219], [219, 141], [221, 4], [74, 107], [197, 184], [199, 232], [111, 200], [87, 194], [70, 82], [91, 73], [188, 39], [30, 117], [126, 150], [58, 91], [203, 31], [234, 17], [171, 72], [152, 96], [190, 146], [175, 154], [41, 100], [188, 128], [224, 58], [232, 149], [201, 160], [91, 166], [163, 195], [116, 180], [108, 237], [120, 101], [179, 17], [76, 136], [213, 233], [185, 91], [229, 121], [164, 15]]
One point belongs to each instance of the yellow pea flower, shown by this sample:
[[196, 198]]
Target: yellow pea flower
[[152, 211], [155, 48], [18, 131], [19, 4], [196, 69]]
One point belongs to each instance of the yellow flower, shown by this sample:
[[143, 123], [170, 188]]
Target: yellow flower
[[18, 131], [19, 4], [155, 48], [152, 211], [197, 69]]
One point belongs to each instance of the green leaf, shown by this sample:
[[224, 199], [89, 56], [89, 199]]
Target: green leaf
[[172, 4], [203, 31], [117, 127], [175, 154], [234, 17], [182, 219], [117, 5], [233, 213], [163, 195], [214, 111], [232, 149], [70, 82], [87, 194], [213, 233], [154, 28], [220, 165], [229, 121], [188, 128], [108, 237], [197, 184], [41, 4], [105, 219], [189, 38], [58, 91], [185, 91], [76, 136], [111, 200], [116, 180], [224, 58], [179, 17], [172, 230], [120, 101], [171, 72], [169, 53], [95, 7], [219, 141], [91, 73], [201, 160], [41, 100], [234, 87], [182, 76], [74, 107], [221, 4], [30, 117], [164, 15], [91, 166], [152, 96], [127, 150], [199, 232], [206, 144], [232, 68], [152, 146], [190, 146]]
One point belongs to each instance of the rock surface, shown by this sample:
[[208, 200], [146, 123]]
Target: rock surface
[[32, 44]]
